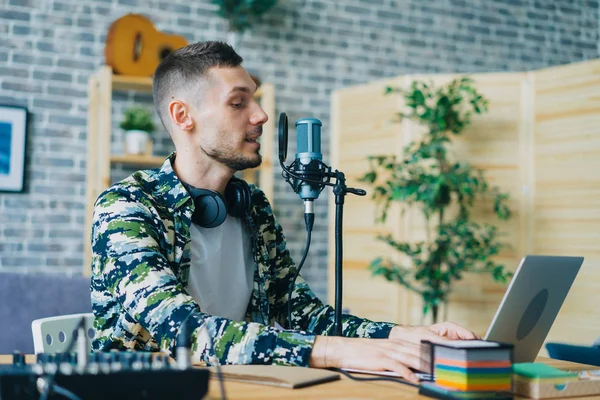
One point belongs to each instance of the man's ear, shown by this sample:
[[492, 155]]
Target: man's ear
[[180, 115]]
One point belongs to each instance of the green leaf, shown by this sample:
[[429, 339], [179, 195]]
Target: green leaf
[[447, 193], [370, 177], [242, 14]]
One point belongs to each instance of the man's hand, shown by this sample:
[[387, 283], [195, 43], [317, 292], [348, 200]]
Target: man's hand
[[398, 353], [369, 354], [433, 333]]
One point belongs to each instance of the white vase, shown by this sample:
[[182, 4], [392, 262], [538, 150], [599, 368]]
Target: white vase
[[136, 141]]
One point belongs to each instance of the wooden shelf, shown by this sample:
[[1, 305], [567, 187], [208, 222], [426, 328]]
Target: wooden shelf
[[137, 83], [137, 159]]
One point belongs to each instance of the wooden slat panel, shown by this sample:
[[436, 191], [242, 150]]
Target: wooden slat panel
[[267, 141], [362, 118], [540, 141], [92, 170], [368, 296], [493, 143], [567, 187]]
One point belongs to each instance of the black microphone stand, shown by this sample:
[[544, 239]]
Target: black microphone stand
[[340, 190], [318, 175]]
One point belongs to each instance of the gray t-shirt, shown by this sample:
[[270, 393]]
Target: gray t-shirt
[[222, 269]]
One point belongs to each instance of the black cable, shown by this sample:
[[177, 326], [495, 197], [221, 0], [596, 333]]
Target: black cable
[[48, 387], [376, 378], [309, 221], [219, 375], [217, 364], [255, 245], [339, 212], [65, 392], [211, 350]]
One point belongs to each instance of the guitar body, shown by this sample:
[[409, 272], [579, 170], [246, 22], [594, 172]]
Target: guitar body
[[134, 46]]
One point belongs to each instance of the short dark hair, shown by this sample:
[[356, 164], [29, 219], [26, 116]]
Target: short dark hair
[[185, 66]]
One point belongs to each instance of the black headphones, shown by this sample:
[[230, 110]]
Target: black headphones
[[212, 208]]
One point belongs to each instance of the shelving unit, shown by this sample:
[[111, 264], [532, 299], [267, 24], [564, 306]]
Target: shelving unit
[[101, 86]]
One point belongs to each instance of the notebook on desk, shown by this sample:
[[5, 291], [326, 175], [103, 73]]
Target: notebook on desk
[[276, 375]]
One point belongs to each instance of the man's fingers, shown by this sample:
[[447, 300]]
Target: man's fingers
[[409, 356], [456, 331], [453, 331], [433, 337], [402, 370], [466, 334]]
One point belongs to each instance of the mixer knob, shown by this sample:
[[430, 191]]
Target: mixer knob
[[18, 359], [40, 358], [95, 357]]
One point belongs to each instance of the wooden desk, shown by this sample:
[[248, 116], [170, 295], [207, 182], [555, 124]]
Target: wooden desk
[[342, 389]]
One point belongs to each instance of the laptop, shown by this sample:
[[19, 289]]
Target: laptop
[[532, 302], [529, 307]]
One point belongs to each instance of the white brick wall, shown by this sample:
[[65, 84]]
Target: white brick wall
[[307, 48]]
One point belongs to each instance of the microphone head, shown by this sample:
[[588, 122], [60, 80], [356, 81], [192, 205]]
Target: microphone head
[[309, 156], [308, 135], [283, 137]]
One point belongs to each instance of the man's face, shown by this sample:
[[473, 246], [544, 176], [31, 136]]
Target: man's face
[[228, 119]]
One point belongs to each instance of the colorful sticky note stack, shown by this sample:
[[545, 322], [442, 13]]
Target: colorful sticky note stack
[[467, 369], [474, 365]]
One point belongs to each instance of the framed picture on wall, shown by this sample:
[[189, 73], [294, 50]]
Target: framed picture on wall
[[13, 132]]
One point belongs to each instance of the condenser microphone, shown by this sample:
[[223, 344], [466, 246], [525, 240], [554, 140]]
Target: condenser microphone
[[307, 174], [309, 157]]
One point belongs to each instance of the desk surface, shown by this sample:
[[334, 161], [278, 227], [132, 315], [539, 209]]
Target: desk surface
[[342, 389]]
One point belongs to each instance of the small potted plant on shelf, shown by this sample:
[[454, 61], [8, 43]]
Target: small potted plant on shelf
[[138, 126]]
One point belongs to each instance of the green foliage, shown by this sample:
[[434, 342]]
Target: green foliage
[[137, 118], [444, 190], [241, 14]]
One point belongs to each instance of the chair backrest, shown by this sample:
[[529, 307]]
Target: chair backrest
[[575, 353], [54, 334]]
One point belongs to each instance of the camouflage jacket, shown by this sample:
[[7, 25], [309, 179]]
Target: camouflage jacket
[[140, 268]]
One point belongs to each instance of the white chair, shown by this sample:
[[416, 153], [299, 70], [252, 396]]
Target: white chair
[[53, 334]]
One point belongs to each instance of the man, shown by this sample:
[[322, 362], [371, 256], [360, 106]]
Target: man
[[153, 267]]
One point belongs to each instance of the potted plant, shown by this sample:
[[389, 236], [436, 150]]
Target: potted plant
[[240, 15], [444, 190], [138, 126]]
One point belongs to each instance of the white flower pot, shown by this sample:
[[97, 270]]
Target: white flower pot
[[136, 141]]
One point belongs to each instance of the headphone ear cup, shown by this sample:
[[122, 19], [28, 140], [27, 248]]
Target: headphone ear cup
[[210, 209], [238, 196]]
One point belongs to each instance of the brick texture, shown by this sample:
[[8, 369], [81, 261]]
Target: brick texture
[[307, 48]]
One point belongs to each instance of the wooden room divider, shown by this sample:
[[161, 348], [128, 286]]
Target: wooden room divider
[[539, 141]]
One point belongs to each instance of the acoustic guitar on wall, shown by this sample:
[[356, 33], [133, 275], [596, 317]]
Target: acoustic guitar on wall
[[135, 47]]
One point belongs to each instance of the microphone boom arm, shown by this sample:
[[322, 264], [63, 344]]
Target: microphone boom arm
[[296, 175]]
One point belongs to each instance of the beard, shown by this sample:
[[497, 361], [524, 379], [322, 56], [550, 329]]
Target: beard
[[237, 162]]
